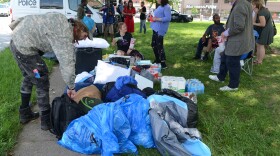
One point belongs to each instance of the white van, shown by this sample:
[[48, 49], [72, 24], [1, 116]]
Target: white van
[[20, 8]]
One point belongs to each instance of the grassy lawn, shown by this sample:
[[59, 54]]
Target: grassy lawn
[[246, 122], [10, 81]]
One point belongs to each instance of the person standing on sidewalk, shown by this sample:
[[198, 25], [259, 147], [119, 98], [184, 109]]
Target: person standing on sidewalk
[[143, 17], [32, 36], [240, 40], [159, 24]]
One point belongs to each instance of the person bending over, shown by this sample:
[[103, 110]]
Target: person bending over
[[34, 35]]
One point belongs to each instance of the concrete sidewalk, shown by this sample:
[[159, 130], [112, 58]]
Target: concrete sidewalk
[[33, 141]]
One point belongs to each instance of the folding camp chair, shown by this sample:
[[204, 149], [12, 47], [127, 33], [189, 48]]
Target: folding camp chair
[[246, 62]]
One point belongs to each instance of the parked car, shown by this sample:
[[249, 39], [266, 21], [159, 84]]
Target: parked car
[[178, 17], [4, 10]]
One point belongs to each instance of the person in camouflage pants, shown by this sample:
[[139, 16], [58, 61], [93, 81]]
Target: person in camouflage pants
[[33, 35]]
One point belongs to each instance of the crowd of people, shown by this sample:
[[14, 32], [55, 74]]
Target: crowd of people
[[54, 32], [247, 24]]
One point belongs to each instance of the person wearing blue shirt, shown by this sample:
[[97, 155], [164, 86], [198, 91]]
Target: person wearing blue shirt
[[120, 10], [108, 20], [159, 24]]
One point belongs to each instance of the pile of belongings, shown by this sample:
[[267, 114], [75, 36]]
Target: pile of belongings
[[126, 117]]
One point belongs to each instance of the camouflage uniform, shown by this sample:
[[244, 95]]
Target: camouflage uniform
[[43, 33]]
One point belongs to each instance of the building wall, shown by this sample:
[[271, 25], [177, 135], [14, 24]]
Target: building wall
[[220, 7]]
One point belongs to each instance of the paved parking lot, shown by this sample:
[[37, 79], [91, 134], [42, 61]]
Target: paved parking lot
[[5, 32]]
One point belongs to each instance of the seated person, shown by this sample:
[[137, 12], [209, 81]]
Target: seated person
[[207, 39], [122, 40], [217, 56]]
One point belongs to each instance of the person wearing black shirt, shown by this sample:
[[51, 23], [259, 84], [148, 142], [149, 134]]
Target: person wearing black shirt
[[208, 38], [122, 40], [142, 18]]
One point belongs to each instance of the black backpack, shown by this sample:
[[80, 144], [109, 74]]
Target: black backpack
[[63, 111]]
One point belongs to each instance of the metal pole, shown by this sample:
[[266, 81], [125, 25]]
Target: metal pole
[[212, 8]]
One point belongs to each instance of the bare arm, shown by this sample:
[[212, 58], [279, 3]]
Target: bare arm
[[262, 22]]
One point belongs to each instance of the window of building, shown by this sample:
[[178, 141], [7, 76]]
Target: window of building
[[207, 1], [51, 4], [226, 1], [215, 1]]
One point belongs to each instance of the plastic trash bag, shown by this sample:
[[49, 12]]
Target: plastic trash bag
[[196, 147], [136, 108], [110, 129], [80, 139]]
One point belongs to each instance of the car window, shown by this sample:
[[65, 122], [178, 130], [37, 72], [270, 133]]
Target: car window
[[174, 12], [73, 4], [51, 4]]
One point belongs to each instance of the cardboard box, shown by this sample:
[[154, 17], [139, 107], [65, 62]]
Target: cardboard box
[[174, 83]]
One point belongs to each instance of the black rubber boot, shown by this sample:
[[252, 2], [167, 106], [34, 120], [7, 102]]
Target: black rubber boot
[[26, 115], [45, 122]]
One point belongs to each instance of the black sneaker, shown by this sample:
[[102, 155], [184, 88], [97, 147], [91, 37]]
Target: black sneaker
[[196, 58], [156, 61], [163, 65], [204, 58]]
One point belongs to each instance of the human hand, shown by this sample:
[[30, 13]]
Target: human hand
[[156, 19], [223, 36], [71, 93], [203, 39], [256, 10], [129, 51]]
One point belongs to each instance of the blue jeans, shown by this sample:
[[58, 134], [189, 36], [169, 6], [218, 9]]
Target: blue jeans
[[230, 64], [143, 25]]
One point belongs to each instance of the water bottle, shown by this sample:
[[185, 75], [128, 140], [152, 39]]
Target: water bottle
[[159, 67], [36, 73]]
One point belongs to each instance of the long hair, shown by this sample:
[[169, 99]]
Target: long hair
[[164, 2], [259, 3], [78, 28], [128, 7]]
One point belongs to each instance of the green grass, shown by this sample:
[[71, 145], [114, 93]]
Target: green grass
[[10, 80], [246, 122]]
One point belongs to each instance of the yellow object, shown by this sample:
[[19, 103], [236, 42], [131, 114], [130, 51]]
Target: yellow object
[[105, 56]]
